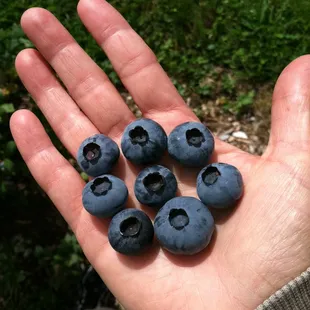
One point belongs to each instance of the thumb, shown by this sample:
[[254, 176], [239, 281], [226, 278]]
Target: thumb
[[290, 123]]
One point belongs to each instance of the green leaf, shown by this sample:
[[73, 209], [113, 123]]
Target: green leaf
[[3, 187], [7, 108], [10, 148], [73, 259], [21, 276], [84, 176], [8, 165]]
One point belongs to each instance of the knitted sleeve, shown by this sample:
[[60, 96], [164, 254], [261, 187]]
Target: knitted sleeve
[[293, 296]]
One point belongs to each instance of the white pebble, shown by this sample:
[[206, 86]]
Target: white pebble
[[240, 135]]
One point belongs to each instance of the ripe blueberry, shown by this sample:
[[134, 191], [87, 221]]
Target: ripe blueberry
[[184, 225], [155, 185], [131, 232], [144, 141], [219, 185], [191, 144], [105, 196], [97, 155]]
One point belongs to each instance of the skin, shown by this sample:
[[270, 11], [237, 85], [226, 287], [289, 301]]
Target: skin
[[255, 251]]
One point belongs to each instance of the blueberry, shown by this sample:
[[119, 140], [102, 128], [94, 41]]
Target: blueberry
[[144, 142], [104, 196], [155, 186], [131, 232], [97, 155], [184, 225], [191, 144], [219, 185]]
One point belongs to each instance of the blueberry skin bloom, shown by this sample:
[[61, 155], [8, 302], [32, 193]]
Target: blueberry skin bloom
[[144, 142], [155, 185], [105, 196], [191, 144], [131, 232], [97, 155], [184, 225], [219, 185]]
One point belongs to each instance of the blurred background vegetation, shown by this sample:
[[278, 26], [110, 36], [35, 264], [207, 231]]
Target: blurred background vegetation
[[210, 48]]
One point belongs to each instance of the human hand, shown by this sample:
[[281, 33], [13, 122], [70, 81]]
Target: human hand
[[264, 243]]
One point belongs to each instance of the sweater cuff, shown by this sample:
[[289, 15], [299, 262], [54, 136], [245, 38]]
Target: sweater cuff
[[293, 296]]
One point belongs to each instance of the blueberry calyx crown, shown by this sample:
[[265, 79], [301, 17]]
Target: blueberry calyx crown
[[194, 137], [138, 135], [210, 176], [91, 151], [178, 218], [130, 227], [101, 186], [154, 182]]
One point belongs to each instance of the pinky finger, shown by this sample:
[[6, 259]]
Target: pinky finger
[[51, 170]]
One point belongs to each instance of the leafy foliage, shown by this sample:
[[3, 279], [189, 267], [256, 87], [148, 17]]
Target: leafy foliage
[[27, 266]]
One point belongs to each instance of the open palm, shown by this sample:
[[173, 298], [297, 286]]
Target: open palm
[[256, 250]]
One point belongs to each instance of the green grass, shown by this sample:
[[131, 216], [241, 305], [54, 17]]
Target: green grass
[[255, 40]]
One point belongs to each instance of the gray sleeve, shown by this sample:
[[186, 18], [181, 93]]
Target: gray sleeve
[[293, 296]]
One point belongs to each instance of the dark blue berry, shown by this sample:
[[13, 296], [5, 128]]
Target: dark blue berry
[[97, 155], [184, 225], [131, 232], [191, 144], [105, 196], [155, 185], [144, 141], [219, 185]]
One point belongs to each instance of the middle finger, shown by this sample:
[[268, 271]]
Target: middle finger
[[85, 81]]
